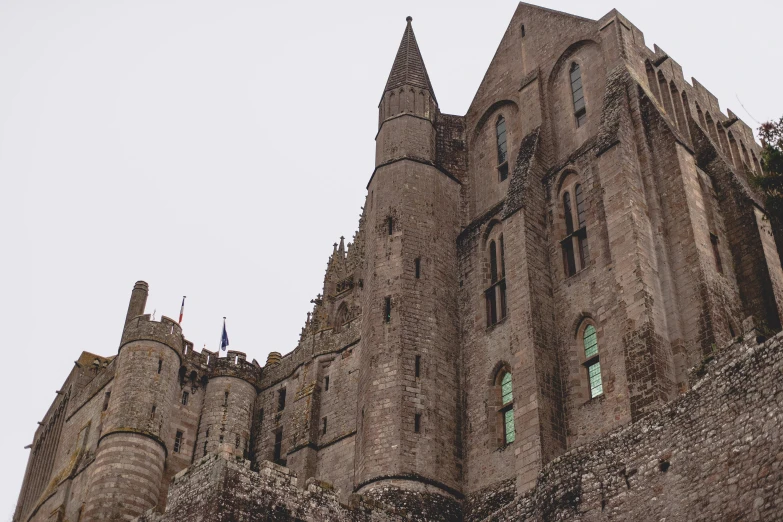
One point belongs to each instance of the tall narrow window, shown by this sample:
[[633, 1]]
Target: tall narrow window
[[390, 225], [580, 110], [576, 254], [495, 295], [417, 423], [178, 442], [225, 399], [568, 245], [281, 399], [326, 383], [205, 448], [387, 309], [106, 398], [160, 365], [507, 408], [185, 397], [502, 141], [261, 417], [592, 363], [278, 449], [417, 264], [237, 441], [716, 252], [417, 366], [323, 427]]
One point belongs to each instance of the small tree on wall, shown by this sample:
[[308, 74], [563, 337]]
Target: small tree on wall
[[771, 180]]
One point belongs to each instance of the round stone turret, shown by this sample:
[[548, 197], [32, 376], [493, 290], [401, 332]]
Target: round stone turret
[[227, 415], [138, 300], [127, 474]]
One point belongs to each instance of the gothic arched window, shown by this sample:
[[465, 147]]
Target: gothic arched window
[[576, 253], [506, 410], [495, 295], [580, 110], [502, 141], [592, 363]]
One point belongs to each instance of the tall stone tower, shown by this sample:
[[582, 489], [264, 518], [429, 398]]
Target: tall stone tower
[[408, 384], [127, 473]]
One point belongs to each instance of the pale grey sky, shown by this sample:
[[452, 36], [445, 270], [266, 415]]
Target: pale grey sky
[[217, 149]]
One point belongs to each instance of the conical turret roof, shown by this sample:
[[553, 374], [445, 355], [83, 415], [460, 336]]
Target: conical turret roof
[[408, 68]]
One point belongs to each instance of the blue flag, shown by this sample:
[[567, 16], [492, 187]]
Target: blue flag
[[224, 337]]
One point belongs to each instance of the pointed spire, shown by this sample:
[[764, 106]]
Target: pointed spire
[[341, 248], [408, 68]]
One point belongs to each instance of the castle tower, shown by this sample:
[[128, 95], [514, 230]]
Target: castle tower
[[229, 398], [408, 435], [128, 469]]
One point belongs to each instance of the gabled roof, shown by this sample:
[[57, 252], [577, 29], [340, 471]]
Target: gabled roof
[[408, 68]]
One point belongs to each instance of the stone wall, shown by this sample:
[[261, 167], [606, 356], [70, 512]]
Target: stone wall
[[716, 453], [223, 487]]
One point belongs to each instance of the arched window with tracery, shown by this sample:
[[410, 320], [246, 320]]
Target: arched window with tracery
[[576, 254], [502, 142], [580, 110], [495, 294], [506, 409], [591, 360]]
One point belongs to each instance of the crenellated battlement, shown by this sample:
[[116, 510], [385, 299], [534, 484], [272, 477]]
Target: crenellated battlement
[[166, 331], [235, 364]]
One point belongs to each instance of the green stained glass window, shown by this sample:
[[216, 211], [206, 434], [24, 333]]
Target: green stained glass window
[[594, 374], [505, 388], [508, 421], [591, 342]]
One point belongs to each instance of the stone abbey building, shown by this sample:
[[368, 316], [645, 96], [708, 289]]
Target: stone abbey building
[[554, 307]]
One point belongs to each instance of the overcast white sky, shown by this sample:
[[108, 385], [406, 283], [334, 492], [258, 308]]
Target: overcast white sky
[[217, 149]]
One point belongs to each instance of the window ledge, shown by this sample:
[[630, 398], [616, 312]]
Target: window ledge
[[594, 401], [504, 447], [493, 326]]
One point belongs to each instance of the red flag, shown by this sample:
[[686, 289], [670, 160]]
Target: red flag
[[182, 310]]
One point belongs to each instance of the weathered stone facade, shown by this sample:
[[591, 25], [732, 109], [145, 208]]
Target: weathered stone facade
[[511, 334]]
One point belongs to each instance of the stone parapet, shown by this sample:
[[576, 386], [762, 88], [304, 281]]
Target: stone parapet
[[142, 328]]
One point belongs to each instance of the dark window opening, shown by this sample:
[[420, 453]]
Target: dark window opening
[[185, 397], [221, 439], [205, 448], [417, 423], [178, 442], [152, 413], [106, 400], [493, 262], [495, 295], [716, 252], [277, 457], [236, 442], [503, 172], [225, 399], [390, 225], [576, 254], [326, 383], [323, 429], [569, 218], [523, 30], [502, 145], [417, 366], [502, 258], [387, 309], [580, 110], [417, 263], [260, 417], [160, 365], [492, 310], [281, 400]]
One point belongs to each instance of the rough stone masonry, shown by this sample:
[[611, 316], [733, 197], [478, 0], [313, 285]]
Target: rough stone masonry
[[555, 307]]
